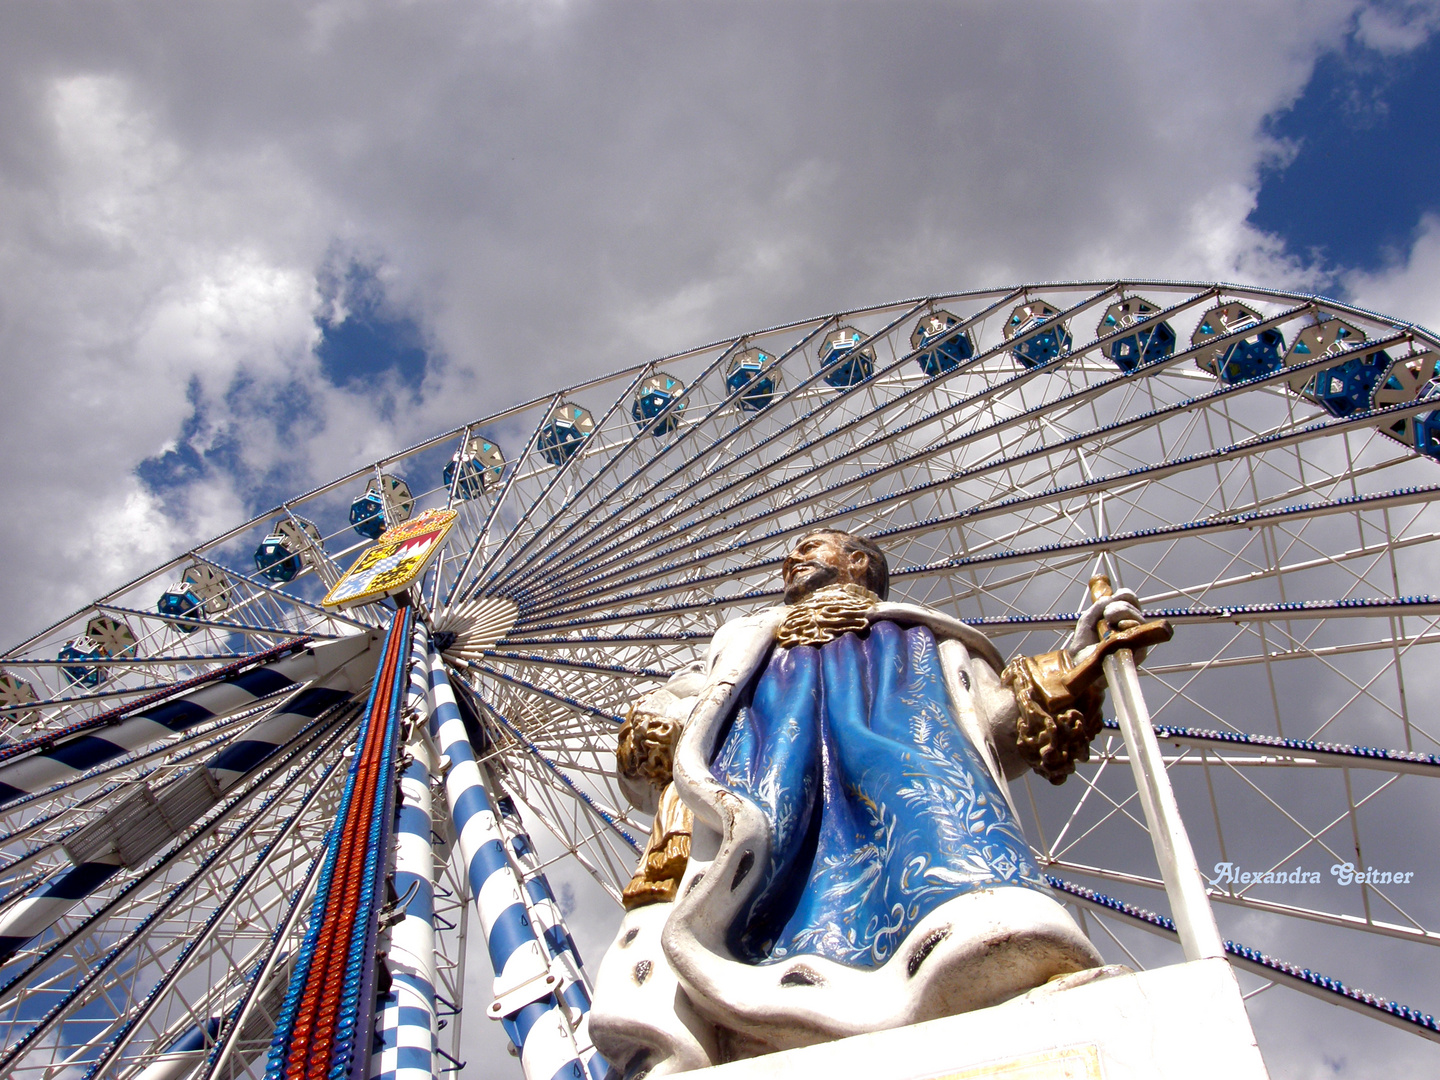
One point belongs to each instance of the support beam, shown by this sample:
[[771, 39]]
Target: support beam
[[528, 992]]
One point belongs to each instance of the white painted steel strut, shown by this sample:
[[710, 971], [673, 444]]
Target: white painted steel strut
[[1194, 919]]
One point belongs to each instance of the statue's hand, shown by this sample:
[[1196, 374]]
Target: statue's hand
[[1060, 694], [1120, 611], [646, 751]]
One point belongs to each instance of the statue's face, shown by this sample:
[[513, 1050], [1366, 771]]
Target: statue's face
[[819, 560]]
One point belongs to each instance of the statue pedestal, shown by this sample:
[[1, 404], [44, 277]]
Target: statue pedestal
[[1182, 1021]]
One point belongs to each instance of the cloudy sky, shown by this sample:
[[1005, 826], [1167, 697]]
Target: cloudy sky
[[244, 247]]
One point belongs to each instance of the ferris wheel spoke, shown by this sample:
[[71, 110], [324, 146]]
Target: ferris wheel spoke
[[553, 484], [1399, 641], [662, 655], [252, 899], [1416, 934], [1260, 573], [609, 816], [794, 427], [1245, 958], [553, 695], [121, 773], [77, 931], [1074, 400], [1312, 837], [577, 665], [1114, 807], [1300, 611], [838, 400], [71, 719], [905, 496], [568, 734], [522, 533], [785, 398], [69, 816], [195, 1003], [1227, 523], [663, 525], [588, 839], [972, 474], [247, 1029], [672, 637], [1129, 483], [507, 483], [64, 753], [244, 629], [248, 591], [558, 545], [548, 725], [1135, 498], [203, 661], [582, 511]]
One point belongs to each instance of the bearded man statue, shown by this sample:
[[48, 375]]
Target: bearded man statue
[[835, 848]]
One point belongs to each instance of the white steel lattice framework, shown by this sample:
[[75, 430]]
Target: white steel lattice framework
[[1259, 466]]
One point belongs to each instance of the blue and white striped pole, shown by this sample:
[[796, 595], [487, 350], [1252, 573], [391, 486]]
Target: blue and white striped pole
[[258, 744], [32, 915], [406, 1020], [525, 986], [549, 921], [73, 756]]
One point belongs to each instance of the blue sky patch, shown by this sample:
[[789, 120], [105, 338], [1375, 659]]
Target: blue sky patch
[[204, 449], [370, 347], [372, 338], [195, 453], [1368, 164]]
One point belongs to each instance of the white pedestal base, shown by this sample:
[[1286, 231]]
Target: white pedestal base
[[1182, 1021]]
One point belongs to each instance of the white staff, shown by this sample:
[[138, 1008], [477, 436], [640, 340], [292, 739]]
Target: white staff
[[1194, 920]]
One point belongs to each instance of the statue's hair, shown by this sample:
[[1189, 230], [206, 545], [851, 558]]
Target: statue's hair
[[877, 570]]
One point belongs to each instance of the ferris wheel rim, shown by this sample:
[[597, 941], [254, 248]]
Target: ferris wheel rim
[[1217, 286]]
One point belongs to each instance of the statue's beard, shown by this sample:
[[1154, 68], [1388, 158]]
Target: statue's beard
[[807, 577]]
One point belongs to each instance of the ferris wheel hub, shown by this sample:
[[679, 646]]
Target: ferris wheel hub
[[466, 630]]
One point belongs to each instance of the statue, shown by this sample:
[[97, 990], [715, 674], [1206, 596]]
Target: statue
[[834, 848]]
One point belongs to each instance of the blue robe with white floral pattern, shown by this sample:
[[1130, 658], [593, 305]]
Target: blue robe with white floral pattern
[[880, 809]]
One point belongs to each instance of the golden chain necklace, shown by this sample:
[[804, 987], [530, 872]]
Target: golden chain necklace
[[826, 614]]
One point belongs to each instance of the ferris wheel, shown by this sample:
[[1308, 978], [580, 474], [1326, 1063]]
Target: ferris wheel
[[221, 799]]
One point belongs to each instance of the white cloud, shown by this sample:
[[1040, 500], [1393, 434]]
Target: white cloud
[[132, 269], [1407, 289], [1397, 28]]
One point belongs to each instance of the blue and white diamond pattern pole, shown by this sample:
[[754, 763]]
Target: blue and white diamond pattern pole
[[526, 987]]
